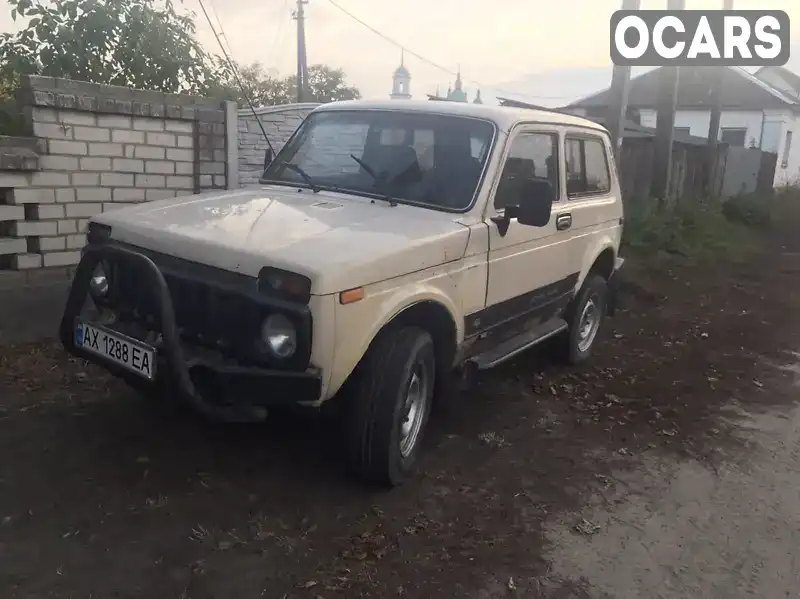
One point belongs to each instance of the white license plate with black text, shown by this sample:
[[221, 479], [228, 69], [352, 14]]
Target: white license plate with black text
[[130, 354]]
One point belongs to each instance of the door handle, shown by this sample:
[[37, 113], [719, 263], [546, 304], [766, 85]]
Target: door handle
[[563, 221]]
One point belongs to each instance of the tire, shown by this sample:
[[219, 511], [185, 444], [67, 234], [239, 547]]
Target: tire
[[384, 436], [591, 303]]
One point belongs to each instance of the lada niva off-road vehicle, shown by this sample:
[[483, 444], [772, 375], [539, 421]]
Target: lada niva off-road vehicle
[[387, 244]]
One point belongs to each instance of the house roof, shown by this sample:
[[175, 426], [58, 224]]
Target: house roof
[[793, 79], [740, 90]]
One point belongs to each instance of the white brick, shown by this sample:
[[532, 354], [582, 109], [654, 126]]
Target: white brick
[[117, 206], [153, 195], [130, 151], [179, 126], [14, 180], [49, 179], [83, 211], [26, 261], [150, 181], [105, 149], [181, 155], [73, 148], [12, 245], [127, 165], [180, 182], [65, 195], [47, 211], [128, 195], [77, 118], [48, 244], [12, 213], [96, 164], [58, 163], [127, 136], [92, 134], [61, 258], [83, 224], [67, 226], [34, 228], [114, 121], [185, 141], [116, 180], [161, 139], [31, 196], [52, 130], [47, 115], [86, 179], [160, 167], [145, 124], [76, 242], [149, 152], [184, 168], [93, 194]]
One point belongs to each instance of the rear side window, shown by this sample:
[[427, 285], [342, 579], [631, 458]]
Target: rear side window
[[532, 156], [587, 167]]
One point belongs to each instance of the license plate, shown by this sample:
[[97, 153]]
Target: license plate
[[129, 353]]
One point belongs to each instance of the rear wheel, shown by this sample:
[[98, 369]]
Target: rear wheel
[[389, 401], [585, 317]]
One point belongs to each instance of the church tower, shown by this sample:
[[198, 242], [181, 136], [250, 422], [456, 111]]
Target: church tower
[[401, 81]]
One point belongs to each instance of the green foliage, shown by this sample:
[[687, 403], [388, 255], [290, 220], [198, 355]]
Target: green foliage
[[144, 44], [698, 229], [325, 84]]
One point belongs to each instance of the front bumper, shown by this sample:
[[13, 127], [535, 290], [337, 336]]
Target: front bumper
[[215, 388]]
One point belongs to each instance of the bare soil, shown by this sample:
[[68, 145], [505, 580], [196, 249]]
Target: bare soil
[[103, 495]]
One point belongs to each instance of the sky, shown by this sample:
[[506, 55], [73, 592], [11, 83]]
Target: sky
[[542, 51]]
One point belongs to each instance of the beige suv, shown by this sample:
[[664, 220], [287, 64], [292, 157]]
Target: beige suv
[[387, 244]]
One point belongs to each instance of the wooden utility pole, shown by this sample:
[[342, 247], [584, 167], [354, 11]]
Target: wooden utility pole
[[665, 125], [618, 95], [717, 85], [302, 60]]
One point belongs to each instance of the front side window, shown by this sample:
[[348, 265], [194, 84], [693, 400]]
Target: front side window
[[532, 156], [587, 167], [417, 158]]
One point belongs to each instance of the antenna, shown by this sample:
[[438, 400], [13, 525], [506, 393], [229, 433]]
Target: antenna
[[235, 72]]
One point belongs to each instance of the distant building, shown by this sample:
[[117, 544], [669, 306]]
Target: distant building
[[456, 94], [401, 81]]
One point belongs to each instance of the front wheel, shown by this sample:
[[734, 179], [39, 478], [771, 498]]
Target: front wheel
[[390, 399], [584, 317]]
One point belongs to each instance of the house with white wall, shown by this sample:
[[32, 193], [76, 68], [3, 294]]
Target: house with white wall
[[758, 110]]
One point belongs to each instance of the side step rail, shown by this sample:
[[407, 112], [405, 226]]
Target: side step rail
[[518, 344]]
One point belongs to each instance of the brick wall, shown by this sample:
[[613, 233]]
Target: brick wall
[[96, 148], [280, 122]]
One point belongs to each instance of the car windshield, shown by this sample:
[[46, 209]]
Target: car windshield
[[411, 157]]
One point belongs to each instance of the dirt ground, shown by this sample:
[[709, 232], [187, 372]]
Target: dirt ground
[[665, 468]]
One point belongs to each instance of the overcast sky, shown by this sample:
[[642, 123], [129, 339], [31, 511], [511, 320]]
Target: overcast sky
[[544, 51]]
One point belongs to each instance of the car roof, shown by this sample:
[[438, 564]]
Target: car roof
[[505, 117]]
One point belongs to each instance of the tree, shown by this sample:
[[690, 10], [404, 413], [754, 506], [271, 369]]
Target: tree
[[144, 44], [325, 84]]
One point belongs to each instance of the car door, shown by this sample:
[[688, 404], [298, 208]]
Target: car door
[[529, 273]]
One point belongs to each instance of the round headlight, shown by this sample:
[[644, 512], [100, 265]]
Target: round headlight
[[279, 336], [98, 285]]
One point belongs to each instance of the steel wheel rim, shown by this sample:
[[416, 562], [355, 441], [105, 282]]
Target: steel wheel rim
[[413, 409], [589, 322]]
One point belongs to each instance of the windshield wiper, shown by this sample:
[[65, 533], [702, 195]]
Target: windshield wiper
[[306, 177], [368, 169]]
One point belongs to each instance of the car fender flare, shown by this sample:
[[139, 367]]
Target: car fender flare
[[598, 245], [388, 310]]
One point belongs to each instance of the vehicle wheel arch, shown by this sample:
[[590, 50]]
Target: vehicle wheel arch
[[598, 259]]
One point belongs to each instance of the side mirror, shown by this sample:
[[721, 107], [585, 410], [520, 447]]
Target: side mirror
[[535, 203], [268, 158]]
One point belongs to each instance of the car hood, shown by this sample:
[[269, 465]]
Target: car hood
[[339, 241]]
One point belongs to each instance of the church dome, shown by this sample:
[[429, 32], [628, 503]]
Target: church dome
[[401, 71]]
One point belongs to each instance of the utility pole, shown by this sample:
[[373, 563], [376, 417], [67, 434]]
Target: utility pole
[[302, 60], [717, 85], [618, 100], [665, 125]]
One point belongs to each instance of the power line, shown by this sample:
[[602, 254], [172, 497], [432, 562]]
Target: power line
[[235, 71], [433, 64]]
